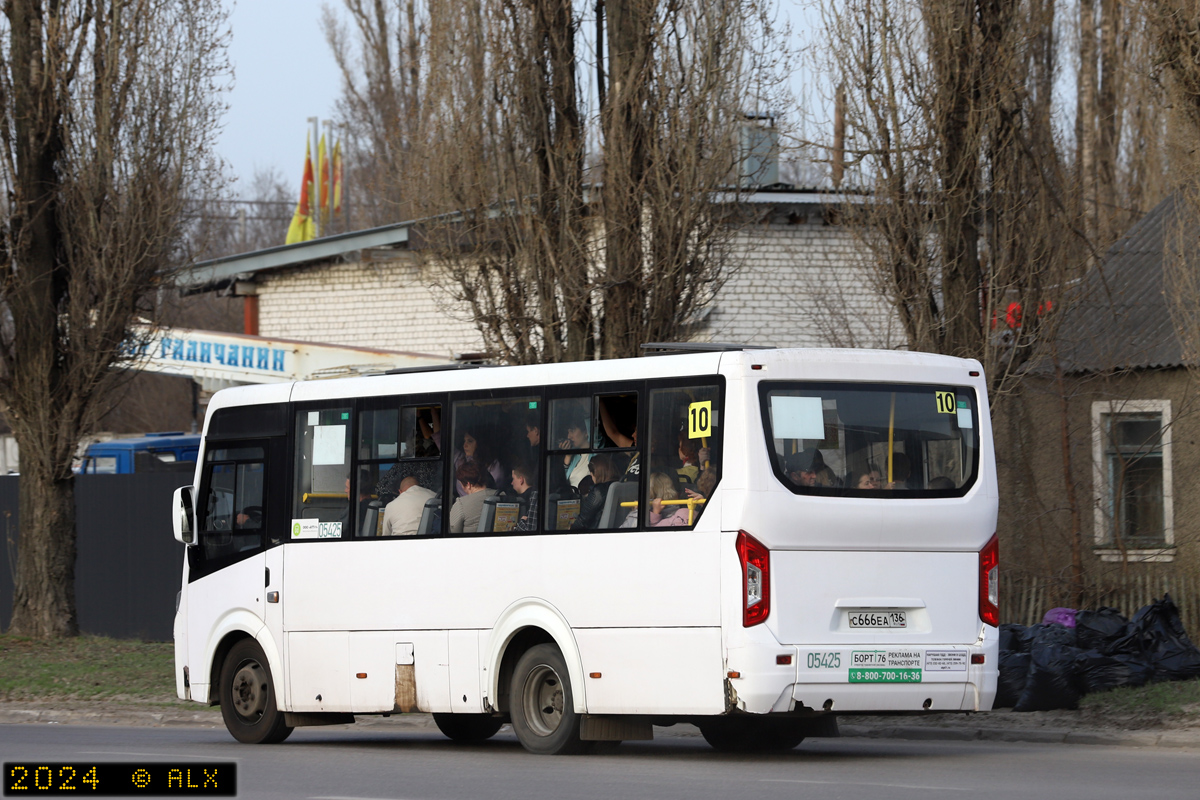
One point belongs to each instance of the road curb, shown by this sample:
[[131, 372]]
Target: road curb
[[1176, 739], [211, 718]]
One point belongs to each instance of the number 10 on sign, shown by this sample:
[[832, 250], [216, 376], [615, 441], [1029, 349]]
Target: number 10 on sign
[[700, 419]]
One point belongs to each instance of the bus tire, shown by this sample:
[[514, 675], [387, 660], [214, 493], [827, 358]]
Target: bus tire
[[468, 727], [247, 694], [751, 735], [542, 705]]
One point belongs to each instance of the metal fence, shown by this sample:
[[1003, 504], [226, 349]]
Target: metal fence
[[1025, 600], [128, 566]]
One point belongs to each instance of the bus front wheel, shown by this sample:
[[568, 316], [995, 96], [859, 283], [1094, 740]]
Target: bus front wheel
[[247, 694], [468, 727], [542, 705]]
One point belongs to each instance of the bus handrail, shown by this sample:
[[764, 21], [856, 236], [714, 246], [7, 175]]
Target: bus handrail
[[691, 503]]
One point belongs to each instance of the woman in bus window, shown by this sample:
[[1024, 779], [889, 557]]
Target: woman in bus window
[[604, 474], [688, 454], [472, 449], [575, 466], [662, 487]]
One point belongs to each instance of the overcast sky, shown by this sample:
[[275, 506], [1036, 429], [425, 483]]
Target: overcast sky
[[283, 75]]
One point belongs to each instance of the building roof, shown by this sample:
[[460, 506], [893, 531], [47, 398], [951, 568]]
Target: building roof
[[1120, 317], [218, 272]]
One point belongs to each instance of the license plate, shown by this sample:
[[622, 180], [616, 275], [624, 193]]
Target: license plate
[[878, 619]]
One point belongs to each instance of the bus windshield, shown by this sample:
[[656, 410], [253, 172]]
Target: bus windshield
[[873, 440]]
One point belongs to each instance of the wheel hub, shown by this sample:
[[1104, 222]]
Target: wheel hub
[[250, 691], [543, 700]]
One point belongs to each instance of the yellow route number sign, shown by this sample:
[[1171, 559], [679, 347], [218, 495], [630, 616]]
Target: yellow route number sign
[[700, 419], [945, 403]]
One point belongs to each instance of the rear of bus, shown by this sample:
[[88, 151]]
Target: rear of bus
[[860, 573]]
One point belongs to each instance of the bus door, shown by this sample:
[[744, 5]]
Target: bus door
[[236, 569]]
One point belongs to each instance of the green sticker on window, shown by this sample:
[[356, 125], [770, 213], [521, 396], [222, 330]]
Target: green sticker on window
[[533, 403], [345, 415]]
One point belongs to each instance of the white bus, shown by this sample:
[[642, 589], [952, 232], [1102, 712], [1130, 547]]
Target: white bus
[[755, 541]]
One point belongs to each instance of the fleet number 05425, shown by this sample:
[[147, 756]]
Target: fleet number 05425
[[824, 660]]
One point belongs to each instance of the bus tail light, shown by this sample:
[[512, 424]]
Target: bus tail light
[[989, 582], [756, 579]]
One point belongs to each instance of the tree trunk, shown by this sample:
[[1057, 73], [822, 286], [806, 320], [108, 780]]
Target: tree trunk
[[625, 140], [44, 591]]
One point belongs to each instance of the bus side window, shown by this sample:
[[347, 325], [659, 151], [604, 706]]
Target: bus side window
[[394, 444], [232, 519], [322, 471], [685, 454]]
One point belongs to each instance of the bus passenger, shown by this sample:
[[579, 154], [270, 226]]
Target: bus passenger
[[868, 481], [620, 438], [662, 487], [524, 490], [575, 466], [402, 516], [591, 507], [901, 471], [466, 511], [473, 449], [688, 454]]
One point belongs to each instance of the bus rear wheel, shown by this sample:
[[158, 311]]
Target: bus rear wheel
[[247, 694], [468, 727], [542, 705], [751, 735]]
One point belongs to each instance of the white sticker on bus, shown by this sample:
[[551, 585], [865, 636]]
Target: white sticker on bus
[[945, 660]]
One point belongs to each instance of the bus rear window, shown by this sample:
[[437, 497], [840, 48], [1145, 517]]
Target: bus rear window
[[872, 440]]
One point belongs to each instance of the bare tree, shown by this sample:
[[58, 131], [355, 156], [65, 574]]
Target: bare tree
[[108, 109], [562, 249], [381, 56], [223, 226], [971, 229]]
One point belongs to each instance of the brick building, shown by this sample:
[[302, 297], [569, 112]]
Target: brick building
[[799, 282]]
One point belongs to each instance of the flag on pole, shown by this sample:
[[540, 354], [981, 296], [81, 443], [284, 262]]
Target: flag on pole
[[303, 226], [323, 181], [337, 178]]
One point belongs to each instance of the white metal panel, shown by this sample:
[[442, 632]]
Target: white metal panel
[[464, 672], [648, 670], [373, 656], [651, 579], [319, 671], [809, 590], [226, 601]]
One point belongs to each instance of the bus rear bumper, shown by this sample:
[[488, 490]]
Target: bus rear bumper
[[864, 678]]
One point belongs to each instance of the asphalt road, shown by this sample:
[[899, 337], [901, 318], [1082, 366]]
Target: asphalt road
[[337, 764]]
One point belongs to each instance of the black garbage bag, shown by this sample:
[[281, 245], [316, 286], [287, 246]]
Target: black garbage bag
[[1098, 630], [1046, 633], [1097, 672], [1014, 669], [1051, 681], [1156, 635], [1010, 637]]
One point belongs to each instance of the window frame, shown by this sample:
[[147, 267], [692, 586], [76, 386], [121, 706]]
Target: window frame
[[201, 564], [765, 388], [450, 424], [397, 402], [1103, 535]]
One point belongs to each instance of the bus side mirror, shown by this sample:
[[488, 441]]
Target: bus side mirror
[[183, 515]]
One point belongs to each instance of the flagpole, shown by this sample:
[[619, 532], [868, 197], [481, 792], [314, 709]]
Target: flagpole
[[328, 176], [314, 200]]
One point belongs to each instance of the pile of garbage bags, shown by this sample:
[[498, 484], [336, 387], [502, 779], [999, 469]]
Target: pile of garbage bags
[[1073, 653]]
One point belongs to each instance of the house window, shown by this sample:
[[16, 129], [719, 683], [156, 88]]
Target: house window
[[1131, 445]]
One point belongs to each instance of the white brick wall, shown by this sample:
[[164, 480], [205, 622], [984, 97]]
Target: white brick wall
[[391, 305], [802, 285], [798, 285]]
